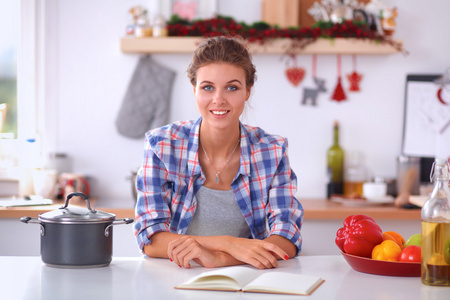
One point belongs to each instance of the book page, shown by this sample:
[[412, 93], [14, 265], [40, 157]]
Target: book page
[[230, 278], [285, 283]]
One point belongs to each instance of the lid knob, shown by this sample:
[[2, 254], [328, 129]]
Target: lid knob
[[82, 195]]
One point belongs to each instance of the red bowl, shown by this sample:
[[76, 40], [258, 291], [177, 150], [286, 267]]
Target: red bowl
[[380, 267]]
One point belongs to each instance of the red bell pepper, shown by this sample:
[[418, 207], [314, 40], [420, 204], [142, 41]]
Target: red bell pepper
[[359, 235]]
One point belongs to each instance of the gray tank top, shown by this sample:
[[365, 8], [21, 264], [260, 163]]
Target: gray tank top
[[217, 213]]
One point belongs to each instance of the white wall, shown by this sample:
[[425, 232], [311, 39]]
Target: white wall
[[87, 76]]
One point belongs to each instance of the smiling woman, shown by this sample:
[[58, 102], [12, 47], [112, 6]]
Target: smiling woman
[[216, 191]]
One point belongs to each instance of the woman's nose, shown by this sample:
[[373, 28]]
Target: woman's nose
[[218, 97]]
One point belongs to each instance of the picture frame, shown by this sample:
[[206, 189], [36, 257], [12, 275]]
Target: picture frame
[[188, 9], [426, 120]]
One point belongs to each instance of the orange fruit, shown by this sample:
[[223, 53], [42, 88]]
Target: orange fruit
[[398, 238], [388, 237]]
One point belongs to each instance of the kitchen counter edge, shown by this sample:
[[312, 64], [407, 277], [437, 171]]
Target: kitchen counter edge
[[314, 209]]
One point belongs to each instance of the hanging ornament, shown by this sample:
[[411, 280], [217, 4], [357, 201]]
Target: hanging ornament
[[443, 93], [354, 78], [441, 97], [310, 94], [295, 74], [339, 93]]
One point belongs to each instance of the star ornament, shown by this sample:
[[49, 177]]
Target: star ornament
[[354, 78]]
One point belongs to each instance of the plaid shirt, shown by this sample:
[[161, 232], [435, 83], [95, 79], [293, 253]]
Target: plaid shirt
[[171, 174]]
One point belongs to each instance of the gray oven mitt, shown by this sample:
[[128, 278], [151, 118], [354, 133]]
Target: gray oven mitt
[[147, 100]]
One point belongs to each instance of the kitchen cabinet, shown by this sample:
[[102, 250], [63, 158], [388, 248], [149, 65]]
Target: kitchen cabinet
[[181, 45]]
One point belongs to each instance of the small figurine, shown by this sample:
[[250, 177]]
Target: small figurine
[[382, 17], [140, 26], [388, 21]]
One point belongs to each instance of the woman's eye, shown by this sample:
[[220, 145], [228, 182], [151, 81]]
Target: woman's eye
[[207, 88], [232, 88]]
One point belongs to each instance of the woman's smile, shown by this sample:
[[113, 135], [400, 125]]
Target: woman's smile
[[221, 94], [219, 113]]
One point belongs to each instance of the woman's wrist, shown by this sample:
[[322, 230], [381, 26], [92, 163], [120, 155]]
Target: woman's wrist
[[224, 243], [226, 259], [216, 243]]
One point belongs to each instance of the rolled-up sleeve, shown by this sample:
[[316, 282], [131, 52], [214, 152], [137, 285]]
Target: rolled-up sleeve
[[153, 198], [284, 211]]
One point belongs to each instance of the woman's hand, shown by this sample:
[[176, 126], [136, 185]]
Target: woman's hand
[[220, 251], [181, 251], [258, 253]]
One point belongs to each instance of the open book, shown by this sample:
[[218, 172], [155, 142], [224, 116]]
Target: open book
[[246, 279]]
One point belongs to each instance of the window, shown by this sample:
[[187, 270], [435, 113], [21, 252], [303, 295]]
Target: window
[[9, 21], [20, 73]]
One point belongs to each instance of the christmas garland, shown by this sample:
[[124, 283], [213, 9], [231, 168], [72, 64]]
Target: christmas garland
[[259, 32]]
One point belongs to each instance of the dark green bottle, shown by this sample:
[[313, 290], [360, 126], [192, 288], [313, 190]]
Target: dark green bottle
[[335, 165]]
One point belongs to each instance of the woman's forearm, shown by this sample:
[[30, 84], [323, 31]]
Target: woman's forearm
[[215, 244], [223, 243], [228, 250], [284, 244], [160, 243]]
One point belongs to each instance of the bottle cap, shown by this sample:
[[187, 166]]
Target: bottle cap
[[441, 161]]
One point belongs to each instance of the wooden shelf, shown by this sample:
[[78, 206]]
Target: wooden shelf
[[276, 46]]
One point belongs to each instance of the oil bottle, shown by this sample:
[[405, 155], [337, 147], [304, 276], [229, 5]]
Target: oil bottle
[[435, 269], [335, 165]]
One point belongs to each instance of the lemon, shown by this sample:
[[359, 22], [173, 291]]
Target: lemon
[[437, 260]]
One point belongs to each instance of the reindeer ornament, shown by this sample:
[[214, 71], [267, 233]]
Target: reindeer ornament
[[310, 94]]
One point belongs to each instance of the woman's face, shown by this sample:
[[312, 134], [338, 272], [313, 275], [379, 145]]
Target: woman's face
[[221, 93]]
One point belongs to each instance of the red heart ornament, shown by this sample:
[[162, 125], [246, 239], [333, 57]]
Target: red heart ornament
[[295, 75]]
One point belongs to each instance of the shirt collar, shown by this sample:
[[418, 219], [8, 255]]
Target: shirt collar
[[193, 162]]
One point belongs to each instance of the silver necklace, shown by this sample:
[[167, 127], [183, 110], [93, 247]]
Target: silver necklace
[[217, 173]]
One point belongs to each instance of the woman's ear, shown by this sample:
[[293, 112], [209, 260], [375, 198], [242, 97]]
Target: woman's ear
[[249, 90]]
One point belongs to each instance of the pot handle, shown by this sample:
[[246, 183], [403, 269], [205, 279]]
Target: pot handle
[[82, 195], [27, 220], [118, 222]]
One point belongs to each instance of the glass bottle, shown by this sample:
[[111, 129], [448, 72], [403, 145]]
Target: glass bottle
[[335, 165], [436, 228]]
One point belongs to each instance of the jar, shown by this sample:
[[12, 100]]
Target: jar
[[408, 175], [376, 189], [142, 27], [354, 175], [159, 26]]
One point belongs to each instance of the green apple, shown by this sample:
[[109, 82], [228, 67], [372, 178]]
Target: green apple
[[414, 239], [447, 251]]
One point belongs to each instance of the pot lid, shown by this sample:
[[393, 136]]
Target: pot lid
[[74, 214]]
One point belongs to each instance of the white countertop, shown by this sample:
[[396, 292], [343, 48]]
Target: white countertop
[[23, 277]]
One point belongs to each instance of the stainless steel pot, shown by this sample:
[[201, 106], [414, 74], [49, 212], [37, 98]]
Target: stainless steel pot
[[76, 237]]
